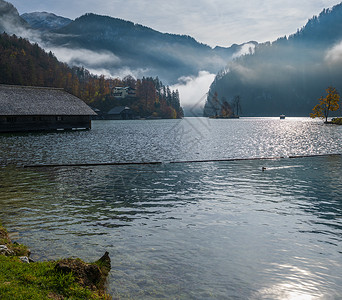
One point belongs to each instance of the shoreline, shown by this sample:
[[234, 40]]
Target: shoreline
[[67, 278]]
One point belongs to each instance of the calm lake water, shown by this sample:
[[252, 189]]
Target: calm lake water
[[215, 230]]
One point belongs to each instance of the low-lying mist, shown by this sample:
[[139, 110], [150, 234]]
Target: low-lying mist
[[289, 75], [193, 92]]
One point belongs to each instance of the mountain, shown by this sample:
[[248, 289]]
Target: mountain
[[286, 76], [10, 21], [23, 63], [45, 21], [140, 49], [115, 47]]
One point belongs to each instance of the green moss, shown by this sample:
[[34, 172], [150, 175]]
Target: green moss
[[104, 265]]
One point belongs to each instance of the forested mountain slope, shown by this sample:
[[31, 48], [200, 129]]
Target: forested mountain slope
[[288, 75], [23, 63]]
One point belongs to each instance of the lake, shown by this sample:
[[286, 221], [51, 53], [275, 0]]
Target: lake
[[208, 230]]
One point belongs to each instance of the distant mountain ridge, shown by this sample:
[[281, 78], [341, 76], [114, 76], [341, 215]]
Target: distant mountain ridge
[[288, 75], [117, 47], [45, 21], [137, 47]]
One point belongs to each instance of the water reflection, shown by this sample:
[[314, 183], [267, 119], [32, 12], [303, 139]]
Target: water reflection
[[173, 140], [297, 283], [194, 231]]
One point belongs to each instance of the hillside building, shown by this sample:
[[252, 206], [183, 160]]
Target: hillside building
[[123, 92]]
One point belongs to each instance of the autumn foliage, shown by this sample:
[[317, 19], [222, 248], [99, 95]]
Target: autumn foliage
[[326, 104], [23, 63]]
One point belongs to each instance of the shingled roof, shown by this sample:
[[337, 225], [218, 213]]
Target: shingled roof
[[35, 101]]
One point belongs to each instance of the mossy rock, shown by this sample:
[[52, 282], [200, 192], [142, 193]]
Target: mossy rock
[[91, 275]]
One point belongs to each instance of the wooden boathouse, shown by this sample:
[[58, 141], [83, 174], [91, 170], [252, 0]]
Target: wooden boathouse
[[120, 113], [25, 108]]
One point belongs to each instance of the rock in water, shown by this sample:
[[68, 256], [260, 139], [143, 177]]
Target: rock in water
[[88, 275], [104, 263]]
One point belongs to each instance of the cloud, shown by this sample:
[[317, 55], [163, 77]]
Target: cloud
[[248, 48], [118, 73], [334, 55], [11, 23], [98, 63], [215, 22], [86, 57], [193, 90], [247, 74]]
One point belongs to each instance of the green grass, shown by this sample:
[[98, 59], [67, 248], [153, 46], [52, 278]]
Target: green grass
[[38, 280]]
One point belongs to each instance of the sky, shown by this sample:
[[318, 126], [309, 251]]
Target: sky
[[213, 22]]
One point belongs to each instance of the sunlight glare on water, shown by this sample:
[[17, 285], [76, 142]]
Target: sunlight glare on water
[[215, 230], [174, 140]]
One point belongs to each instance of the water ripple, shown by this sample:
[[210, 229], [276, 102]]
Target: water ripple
[[219, 230]]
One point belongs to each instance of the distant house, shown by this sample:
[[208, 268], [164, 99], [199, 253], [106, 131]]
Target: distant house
[[99, 114], [36, 108], [120, 113], [123, 92]]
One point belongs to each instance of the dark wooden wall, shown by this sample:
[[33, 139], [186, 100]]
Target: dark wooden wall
[[37, 123]]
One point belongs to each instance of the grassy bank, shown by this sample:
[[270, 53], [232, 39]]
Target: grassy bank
[[337, 121], [63, 279]]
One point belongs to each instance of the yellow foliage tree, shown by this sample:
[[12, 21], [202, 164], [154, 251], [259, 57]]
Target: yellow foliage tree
[[327, 104]]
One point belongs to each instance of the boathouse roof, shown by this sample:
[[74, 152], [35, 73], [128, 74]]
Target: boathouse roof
[[34, 101]]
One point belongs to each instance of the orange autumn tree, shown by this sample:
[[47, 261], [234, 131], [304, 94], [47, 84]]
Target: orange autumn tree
[[327, 104]]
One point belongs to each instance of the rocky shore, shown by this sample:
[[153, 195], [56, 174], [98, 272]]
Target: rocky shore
[[21, 277]]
